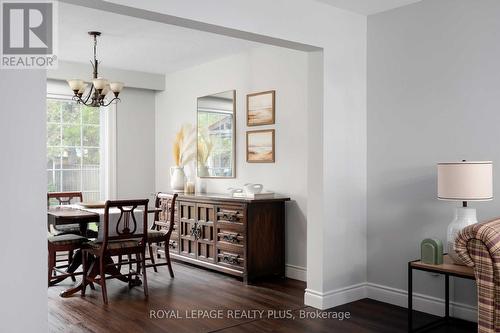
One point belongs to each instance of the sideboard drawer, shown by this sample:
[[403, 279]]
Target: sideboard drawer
[[230, 237], [231, 214], [229, 259]]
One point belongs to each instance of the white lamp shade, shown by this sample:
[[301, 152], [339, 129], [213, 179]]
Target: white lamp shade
[[105, 91], [99, 84], [82, 88], [116, 87], [75, 84], [465, 181]]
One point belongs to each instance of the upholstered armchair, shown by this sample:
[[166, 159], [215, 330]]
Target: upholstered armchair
[[478, 246]]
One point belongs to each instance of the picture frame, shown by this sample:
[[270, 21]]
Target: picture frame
[[261, 108], [261, 146]]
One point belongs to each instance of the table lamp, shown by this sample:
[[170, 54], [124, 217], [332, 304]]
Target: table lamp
[[463, 181]]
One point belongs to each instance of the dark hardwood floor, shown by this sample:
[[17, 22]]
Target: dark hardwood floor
[[201, 290]]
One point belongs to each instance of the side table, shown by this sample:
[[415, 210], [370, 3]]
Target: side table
[[448, 268]]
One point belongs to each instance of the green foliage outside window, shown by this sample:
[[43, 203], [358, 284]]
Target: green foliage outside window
[[73, 148]]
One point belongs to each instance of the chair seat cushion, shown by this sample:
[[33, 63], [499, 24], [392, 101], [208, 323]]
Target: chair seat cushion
[[156, 236], [115, 244], [66, 239], [65, 229]]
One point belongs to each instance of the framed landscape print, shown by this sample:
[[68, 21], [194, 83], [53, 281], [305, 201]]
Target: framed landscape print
[[260, 108], [260, 146]]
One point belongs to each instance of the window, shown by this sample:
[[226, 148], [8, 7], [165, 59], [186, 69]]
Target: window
[[74, 154]]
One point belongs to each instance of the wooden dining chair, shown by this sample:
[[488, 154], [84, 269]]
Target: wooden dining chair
[[61, 243], [61, 199], [161, 230], [125, 238]]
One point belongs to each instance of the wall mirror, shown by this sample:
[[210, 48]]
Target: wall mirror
[[215, 119]]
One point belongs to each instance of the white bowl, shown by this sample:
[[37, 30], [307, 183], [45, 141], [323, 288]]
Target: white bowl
[[253, 188]]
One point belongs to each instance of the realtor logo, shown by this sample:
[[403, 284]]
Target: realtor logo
[[28, 35]]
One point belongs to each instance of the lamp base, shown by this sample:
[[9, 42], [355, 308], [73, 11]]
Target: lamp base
[[464, 216]]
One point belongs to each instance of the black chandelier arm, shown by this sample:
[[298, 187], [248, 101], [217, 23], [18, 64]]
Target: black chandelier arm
[[89, 95], [101, 103], [78, 99], [111, 101], [92, 103]]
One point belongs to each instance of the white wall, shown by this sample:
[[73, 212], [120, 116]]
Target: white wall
[[135, 140], [260, 69], [23, 255], [338, 218], [433, 82], [135, 137]]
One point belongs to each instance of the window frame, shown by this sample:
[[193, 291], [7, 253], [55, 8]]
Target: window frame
[[107, 150]]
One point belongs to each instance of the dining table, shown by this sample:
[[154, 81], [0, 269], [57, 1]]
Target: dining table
[[77, 214]]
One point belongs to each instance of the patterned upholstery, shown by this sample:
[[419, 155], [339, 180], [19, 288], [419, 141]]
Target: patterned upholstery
[[115, 245], [478, 246], [65, 229], [67, 239], [156, 236]]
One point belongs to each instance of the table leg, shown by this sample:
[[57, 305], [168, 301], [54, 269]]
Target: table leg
[[79, 287], [447, 297], [111, 269], [83, 228], [410, 298]]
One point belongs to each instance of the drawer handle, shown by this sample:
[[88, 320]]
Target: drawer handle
[[228, 216], [230, 259], [231, 238]]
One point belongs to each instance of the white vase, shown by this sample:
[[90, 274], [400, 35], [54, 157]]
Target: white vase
[[464, 217], [177, 178]]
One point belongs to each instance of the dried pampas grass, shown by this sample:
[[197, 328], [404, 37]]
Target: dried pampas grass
[[184, 145]]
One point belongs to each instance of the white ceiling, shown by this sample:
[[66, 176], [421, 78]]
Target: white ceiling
[[135, 44], [368, 7]]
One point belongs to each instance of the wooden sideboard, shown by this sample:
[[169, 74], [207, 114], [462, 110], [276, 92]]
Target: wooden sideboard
[[237, 236]]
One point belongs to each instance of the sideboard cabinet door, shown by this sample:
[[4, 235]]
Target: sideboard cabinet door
[[205, 242], [187, 232]]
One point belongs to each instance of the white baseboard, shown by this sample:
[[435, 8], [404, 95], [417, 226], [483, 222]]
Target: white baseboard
[[399, 297], [336, 297], [421, 302], [296, 272]]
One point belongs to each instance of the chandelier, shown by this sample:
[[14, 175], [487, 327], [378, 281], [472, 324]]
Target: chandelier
[[99, 88]]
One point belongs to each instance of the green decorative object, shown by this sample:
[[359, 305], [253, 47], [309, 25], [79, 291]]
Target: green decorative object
[[431, 251]]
